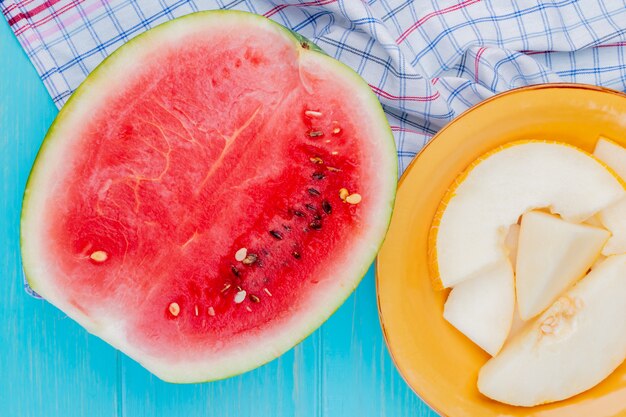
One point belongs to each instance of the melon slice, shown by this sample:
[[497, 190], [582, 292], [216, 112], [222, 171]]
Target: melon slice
[[573, 346], [552, 255], [517, 325], [187, 206], [611, 154], [511, 243], [613, 217], [482, 308], [470, 226]]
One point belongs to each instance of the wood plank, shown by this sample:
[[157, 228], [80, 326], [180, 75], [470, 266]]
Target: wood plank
[[359, 378], [50, 366]]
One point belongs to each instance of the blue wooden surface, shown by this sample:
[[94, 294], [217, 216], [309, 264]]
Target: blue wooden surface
[[50, 366]]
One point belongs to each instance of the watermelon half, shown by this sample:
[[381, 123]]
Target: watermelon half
[[211, 193]]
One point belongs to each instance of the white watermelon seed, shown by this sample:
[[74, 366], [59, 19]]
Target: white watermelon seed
[[211, 311], [99, 256], [336, 130], [241, 254], [249, 309], [332, 169], [316, 160], [267, 292], [312, 113], [174, 309], [354, 198], [240, 296], [196, 310], [334, 153], [315, 133]]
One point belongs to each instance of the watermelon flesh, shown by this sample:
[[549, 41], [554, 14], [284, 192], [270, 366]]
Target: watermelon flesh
[[209, 195]]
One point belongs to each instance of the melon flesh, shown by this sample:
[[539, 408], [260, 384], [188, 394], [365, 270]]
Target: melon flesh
[[482, 308], [517, 325], [611, 154], [511, 243], [613, 217], [210, 134], [552, 255], [469, 229]]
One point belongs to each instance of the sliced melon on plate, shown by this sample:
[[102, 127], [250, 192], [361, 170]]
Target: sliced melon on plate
[[469, 229], [552, 255], [613, 217], [482, 308], [573, 346]]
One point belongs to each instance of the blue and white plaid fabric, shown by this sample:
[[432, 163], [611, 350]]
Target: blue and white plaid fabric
[[427, 61]]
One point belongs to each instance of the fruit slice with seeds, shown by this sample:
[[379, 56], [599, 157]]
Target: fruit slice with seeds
[[224, 246], [469, 229], [573, 346]]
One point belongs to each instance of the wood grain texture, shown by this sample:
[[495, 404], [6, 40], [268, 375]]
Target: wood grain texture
[[51, 367]]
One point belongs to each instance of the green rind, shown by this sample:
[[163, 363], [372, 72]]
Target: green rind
[[305, 42], [305, 46]]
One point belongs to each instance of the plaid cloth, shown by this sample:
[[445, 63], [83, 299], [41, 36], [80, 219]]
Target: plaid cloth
[[427, 61]]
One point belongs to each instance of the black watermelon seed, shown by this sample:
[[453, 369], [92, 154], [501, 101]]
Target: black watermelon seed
[[254, 298], [327, 207], [317, 217], [310, 207], [296, 254], [316, 225], [287, 227], [276, 234], [313, 192], [298, 213], [234, 270], [318, 175], [250, 259]]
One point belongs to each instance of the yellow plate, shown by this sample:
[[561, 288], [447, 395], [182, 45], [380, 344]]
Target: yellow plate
[[439, 363]]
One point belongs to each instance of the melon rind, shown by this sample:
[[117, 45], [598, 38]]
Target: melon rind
[[311, 315]]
